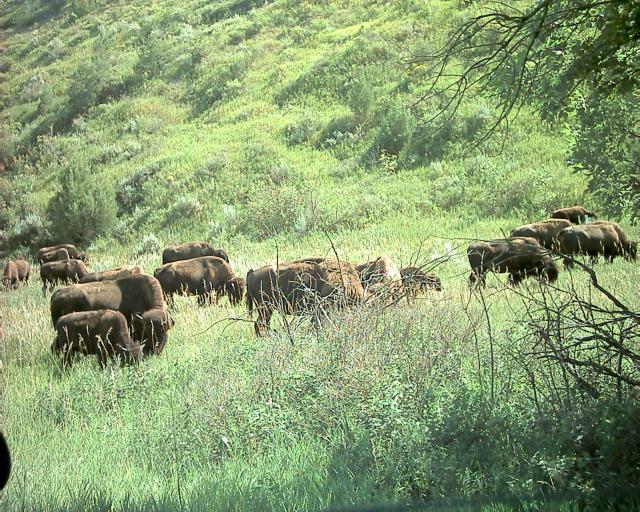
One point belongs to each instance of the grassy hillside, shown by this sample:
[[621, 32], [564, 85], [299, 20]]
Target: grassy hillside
[[233, 120], [274, 130]]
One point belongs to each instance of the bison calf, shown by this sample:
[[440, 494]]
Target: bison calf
[[103, 333], [16, 272], [519, 257]]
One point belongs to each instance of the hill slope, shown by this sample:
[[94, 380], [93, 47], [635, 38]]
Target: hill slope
[[247, 119]]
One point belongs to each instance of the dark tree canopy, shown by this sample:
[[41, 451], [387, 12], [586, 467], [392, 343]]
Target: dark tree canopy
[[576, 61]]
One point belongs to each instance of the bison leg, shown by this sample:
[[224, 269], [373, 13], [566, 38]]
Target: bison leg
[[516, 278], [262, 323], [477, 278]]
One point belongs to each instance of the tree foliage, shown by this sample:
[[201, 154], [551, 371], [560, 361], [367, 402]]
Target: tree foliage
[[576, 61], [82, 209]]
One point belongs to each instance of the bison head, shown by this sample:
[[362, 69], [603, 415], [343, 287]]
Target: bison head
[[150, 328], [631, 251], [235, 290]]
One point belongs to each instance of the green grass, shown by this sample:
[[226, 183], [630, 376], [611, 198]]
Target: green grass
[[264, 122], [379, 407]]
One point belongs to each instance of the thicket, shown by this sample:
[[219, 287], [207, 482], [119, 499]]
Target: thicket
[[82, 208]]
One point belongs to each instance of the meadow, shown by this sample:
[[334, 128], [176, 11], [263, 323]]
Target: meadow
[[277, 130]]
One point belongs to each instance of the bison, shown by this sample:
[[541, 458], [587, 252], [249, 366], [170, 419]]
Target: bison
[[191, 250], [301, 287], [594, 240], [415, 280], [629, 247], [69, 271], [520, 257], [104, 333], [16, 272], [138, 298], [574, 214], [208, 277], [545, 232], [113, 274], [380, 277], [73, 252]]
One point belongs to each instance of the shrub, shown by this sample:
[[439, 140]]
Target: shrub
[[338, 130], [302, 131], [272, 210], [221, 82], [28, 231], [186, 206], [130, 191], [361, 97], [396, 129], [150, 244], [82, 209]]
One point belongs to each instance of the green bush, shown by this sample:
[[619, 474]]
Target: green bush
[[150, 244], [272, 210], [220, 80], [82, 209], [130, 192], [28, 231], [395, 130]]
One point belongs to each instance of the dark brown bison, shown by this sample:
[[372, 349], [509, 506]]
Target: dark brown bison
[[103, 333], [574, 214], [72, 251], [545, 232], [113, 274], [16, 272], [190, 250], [138, 298], [296, 288], [520, 257], [54, 272], [54, 255], [380, 278], [594, 240], [208, 277], [415, 280]]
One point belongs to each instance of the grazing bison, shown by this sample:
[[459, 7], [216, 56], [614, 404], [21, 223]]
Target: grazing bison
[[380, 277], [54, 255], [113, 274], [104, 333], [69, 271], [629, 247], [16, 272], [73, 252], [594, 240], [295, 288], [208, 277], [574, 214], [137, 297], [191, 250], [545, 232], [415, 280], [520, 257]]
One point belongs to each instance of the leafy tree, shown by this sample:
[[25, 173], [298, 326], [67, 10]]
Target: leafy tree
[[577, 61], [82, 209]]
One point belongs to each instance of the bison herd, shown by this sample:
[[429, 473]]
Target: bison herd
[[124, 314]]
